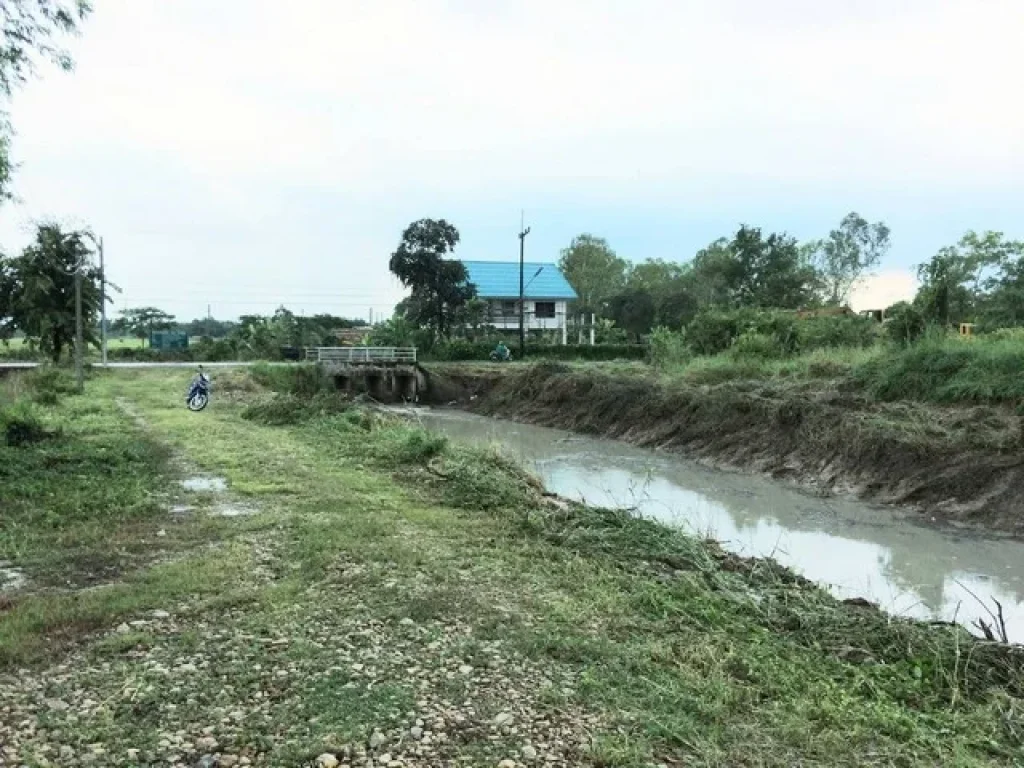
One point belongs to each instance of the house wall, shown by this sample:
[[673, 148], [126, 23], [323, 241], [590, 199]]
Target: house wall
[[504, 315]]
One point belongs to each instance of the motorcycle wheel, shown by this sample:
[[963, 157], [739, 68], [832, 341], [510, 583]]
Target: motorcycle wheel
[[198, 401]]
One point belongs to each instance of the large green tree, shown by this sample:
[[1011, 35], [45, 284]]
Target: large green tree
[[439, 286], [37, 289], [757, 271], [31, 29], [671, 288], [979, 278], [633, 310], [848, 254], [141, 322], [715, 271], [594, 271]]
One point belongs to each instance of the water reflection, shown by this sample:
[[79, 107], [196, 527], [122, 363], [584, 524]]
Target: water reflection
[[891, 558]]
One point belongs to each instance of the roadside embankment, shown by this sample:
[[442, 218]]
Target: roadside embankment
[[956, 463]]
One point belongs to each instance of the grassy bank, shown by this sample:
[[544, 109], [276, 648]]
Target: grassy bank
[[394, 595], [940, 368]]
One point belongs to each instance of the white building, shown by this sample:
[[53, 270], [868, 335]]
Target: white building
[[546, 294]]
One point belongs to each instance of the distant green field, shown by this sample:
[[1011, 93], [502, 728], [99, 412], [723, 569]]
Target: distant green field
[[127, 342]]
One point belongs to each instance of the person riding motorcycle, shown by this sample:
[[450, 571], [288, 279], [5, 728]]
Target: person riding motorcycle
[[501, 352]]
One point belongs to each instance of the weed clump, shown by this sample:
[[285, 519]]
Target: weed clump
[[47, 385], [281, 410], [297, 380], [20, 425]]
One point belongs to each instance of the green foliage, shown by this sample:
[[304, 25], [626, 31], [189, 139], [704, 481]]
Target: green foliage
[[979, 278], [835, 332], [593, 270], [21, 424], [439, 287], [141, 322], [209, 327], [31, 30], [633, 310], [460, 350], [400, 331], [948, 369], [38, 290], [304, 380], [846, 255], [47, 385], [905, 323], [284, 409], [715, 331], [757, 346], [668, 348]]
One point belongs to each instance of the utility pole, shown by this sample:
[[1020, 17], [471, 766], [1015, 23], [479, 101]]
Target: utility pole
[[79, 341], [522, 304], [103, 308]]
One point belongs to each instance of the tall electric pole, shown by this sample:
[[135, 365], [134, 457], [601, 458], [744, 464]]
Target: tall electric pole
[[522, 304], [98, 242], [103, 308], [79, 340]]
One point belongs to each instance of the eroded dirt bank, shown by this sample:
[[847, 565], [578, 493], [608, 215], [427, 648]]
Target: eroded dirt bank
[[962, 464]]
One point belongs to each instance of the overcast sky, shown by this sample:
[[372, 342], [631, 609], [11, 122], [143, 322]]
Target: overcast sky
[[249, 153]]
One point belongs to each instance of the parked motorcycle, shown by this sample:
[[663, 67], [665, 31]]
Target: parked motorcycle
[[498, 357], [199, 391]]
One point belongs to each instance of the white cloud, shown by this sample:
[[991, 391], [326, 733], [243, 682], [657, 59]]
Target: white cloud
[[289, 142], [884, 289]]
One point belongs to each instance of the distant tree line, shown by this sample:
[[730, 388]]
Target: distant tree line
[[750, 269]]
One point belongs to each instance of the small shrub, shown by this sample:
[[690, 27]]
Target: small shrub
[[835, 332], [713, 331], [299, 380], [21, 425], [757, 346], [46, 385], [668, 348], [418, 446], [284, 409], [905, 324]]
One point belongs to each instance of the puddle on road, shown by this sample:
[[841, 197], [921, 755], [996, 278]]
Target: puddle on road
[[215, 485], [232, 510], [11, 578], [855, 549], [199, 484]]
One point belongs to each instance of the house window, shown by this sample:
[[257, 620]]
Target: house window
[[544, 310], [508, 308]]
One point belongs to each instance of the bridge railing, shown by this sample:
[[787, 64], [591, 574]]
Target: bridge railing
[[362, 354]]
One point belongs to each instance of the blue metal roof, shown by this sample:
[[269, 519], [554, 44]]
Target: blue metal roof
[[500, 280]]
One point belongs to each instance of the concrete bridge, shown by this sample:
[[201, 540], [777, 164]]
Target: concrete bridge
[[387, 374]]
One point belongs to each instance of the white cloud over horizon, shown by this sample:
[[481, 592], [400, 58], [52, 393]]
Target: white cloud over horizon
[[245, 154]]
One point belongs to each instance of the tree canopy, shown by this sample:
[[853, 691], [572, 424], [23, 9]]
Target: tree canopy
[[849, 253], [141, 322], [31, 29], [981, 278], [37, 289], [440, 287], [593, 270]]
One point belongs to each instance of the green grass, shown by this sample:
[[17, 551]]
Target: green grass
[[947, 370], [937, 369], [681, 653]]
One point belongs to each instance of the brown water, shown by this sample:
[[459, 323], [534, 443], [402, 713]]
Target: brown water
[[898, 560]]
